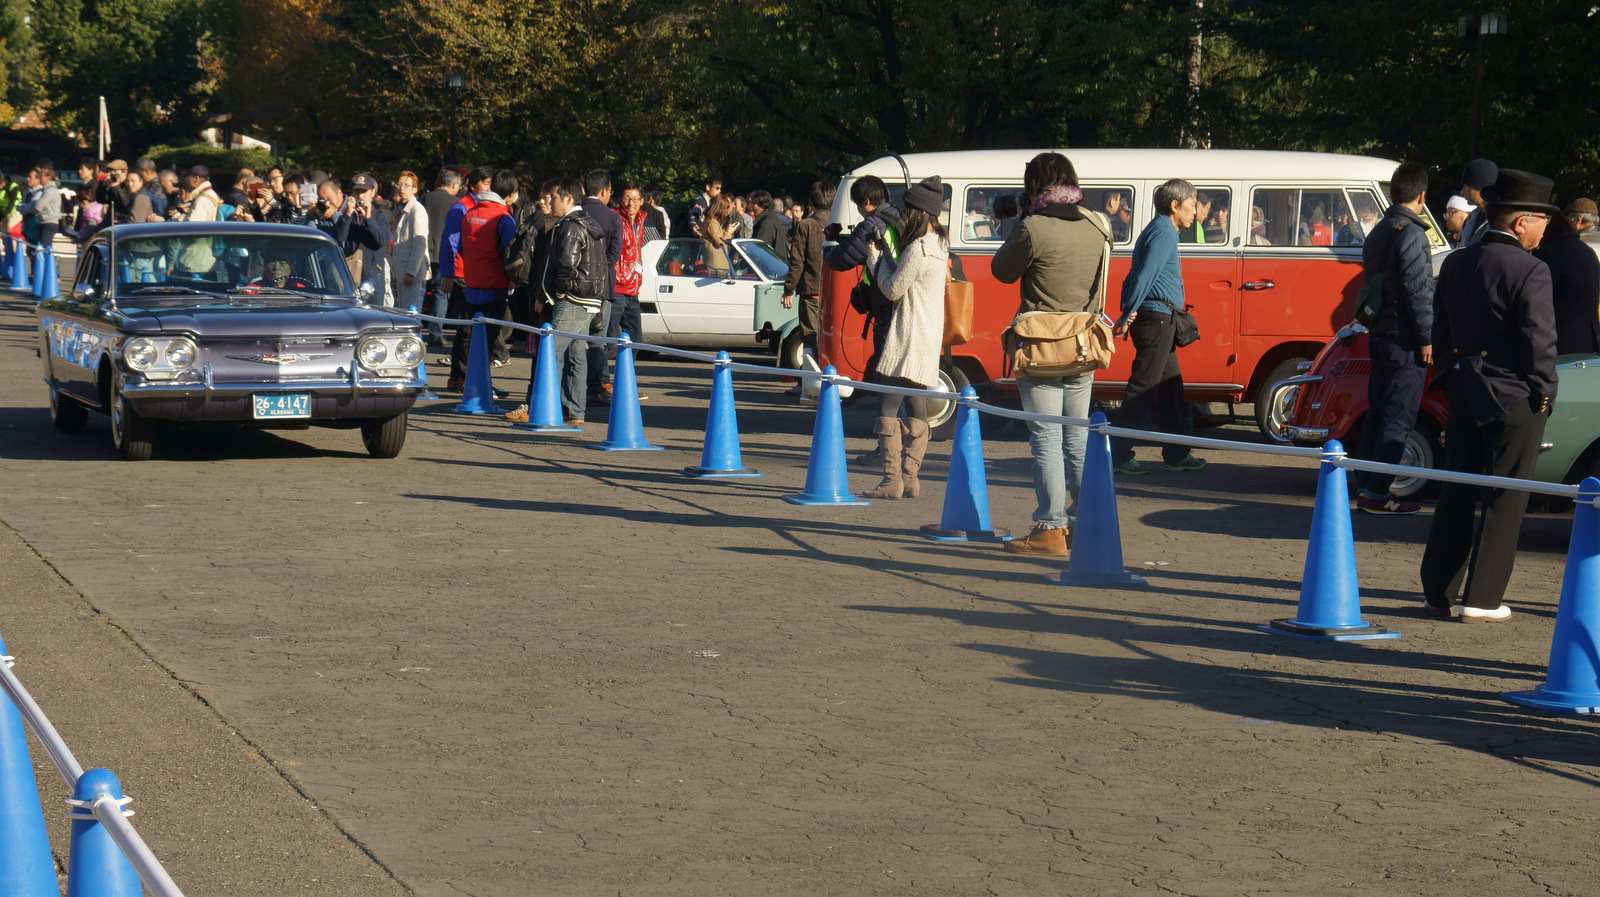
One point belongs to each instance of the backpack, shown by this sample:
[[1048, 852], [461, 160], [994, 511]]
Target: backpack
[[517, 257]]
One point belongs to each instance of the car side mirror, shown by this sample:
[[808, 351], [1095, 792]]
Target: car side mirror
[[85, 292], [365, 290]]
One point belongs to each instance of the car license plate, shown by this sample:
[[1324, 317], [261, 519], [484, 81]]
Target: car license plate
[[282, 404]]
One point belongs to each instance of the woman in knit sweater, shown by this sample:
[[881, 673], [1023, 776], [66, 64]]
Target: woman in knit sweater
[[914, 284]]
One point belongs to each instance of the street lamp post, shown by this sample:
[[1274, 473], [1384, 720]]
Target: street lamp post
[[1485, 23], [455, 82]]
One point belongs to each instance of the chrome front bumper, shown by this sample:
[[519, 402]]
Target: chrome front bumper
[[1282, 400], [354, 385]]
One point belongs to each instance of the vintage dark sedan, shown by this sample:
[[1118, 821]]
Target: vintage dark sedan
[[254, 325]]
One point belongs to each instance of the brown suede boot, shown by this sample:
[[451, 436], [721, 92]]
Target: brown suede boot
[[1043, 541], [888, 430], [917, 434]]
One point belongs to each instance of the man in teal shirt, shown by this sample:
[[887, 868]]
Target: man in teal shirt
[[1152, 291]]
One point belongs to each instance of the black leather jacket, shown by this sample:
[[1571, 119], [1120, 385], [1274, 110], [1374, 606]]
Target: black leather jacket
[[577, 264]]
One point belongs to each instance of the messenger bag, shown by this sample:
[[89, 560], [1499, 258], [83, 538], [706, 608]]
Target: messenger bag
[[1045, 344]]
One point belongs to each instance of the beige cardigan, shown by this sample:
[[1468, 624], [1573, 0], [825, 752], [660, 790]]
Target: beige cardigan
[[916, 332]]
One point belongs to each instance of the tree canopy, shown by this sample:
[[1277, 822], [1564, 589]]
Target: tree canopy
[[779, 91]]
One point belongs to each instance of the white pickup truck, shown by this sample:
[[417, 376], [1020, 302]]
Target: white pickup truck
[[680, 304]]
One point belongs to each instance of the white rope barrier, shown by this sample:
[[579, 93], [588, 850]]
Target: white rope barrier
[[1559, 490]]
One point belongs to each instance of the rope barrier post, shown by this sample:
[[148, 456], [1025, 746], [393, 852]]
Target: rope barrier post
[[624, 428], [477, 394], [544, 406], [1330, 599], [1097, 534], [1572, 679], [96, 866], [965, 517], [19, 269], [427, 394], [26, 867], [827, 479], [720, 457]]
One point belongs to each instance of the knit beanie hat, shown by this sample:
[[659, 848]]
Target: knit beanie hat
[[927, 196]]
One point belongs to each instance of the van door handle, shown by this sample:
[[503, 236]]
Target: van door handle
[[1259, 285]]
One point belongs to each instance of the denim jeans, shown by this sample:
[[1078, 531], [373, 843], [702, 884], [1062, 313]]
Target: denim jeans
[[1058, 449], [624, 319], [572, 355]]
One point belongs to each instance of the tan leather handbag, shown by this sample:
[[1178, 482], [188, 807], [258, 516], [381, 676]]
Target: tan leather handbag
[[958, 297], [1064, 344]]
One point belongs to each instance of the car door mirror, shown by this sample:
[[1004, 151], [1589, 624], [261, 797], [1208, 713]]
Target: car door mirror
[[365, 290], [85, 292]]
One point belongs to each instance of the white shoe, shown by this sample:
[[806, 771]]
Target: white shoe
[[1479, 615]]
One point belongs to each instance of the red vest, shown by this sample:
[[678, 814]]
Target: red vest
[[480, 264]]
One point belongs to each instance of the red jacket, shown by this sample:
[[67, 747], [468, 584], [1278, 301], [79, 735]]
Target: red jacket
[[630, 275], [481, 266]]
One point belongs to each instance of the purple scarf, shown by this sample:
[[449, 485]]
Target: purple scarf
[[1054, 196]]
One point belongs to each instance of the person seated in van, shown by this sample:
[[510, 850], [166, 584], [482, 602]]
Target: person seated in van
[[1121, 229], [1125, 213], [1217, 226], [1314, 229], [976, 222], [1196, 233], [1258, 227]]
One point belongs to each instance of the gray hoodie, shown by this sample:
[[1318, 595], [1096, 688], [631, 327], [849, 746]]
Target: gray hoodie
[[44, 201]]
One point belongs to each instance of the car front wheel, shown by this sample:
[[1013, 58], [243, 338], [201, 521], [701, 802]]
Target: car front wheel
[[385, 438], [133, 437]]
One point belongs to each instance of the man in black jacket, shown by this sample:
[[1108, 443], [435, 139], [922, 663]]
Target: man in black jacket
[[1574, 286], [1401, 342], [1494, 341], [596, 204], [879, 231], [768, 226], [577, 279]]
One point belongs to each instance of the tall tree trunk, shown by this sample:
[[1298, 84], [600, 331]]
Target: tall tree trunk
[[1191, 138]]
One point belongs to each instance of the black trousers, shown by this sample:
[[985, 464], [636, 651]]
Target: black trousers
[[460, 349], [1461, 544], [624, 319], [1394, 393], [1155, 387]]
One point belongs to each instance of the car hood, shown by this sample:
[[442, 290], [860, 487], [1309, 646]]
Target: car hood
[[275, 321]]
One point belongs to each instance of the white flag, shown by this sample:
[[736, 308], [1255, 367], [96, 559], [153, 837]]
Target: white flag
[[105, 129]]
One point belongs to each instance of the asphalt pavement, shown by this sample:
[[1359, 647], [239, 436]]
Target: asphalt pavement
[[507, 664]]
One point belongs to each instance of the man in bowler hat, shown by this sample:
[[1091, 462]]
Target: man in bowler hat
[[1494, 349]]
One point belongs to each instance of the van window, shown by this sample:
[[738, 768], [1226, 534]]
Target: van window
[[1213, 211], [1117, 204], [1311, 216], [1368, 211], [989, 213]]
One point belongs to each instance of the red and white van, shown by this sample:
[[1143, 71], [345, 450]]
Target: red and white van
[[1270, 275]]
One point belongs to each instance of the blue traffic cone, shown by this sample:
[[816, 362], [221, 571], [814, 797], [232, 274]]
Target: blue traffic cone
[[544, 406], [1330, 598], [19, 269], [966, 492], [624, 430], [26, 867], [96, 866], [720, 457], [1572, 680], [477, 394], [1096, 534], [427, 394], [827, 479], [50, 287], [39, 262]]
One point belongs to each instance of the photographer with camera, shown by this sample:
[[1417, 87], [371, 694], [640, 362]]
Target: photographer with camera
[[117, 196], [335, 215], [290, 207], [367, 210]]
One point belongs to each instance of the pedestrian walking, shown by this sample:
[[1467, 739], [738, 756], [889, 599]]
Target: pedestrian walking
[[1398, 256], [1494, 341], [1152, 297], [913, 285], [577, 280], [1060, 253]]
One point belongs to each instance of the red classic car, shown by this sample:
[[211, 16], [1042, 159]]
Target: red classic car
[[1328, 400]]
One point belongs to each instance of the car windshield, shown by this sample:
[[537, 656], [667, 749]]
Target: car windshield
[[229, 263], [765, 260]]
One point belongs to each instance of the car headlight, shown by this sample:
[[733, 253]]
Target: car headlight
[[373, 353], [140, 354], [409, 352], [180, 353]]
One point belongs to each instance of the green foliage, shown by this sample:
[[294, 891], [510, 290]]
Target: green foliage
[[219, 161], [20, 71]]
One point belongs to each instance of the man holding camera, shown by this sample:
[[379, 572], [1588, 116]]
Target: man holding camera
[[374, 257], [335, 215]]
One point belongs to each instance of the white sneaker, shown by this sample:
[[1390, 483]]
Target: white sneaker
[[1479, 615]]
